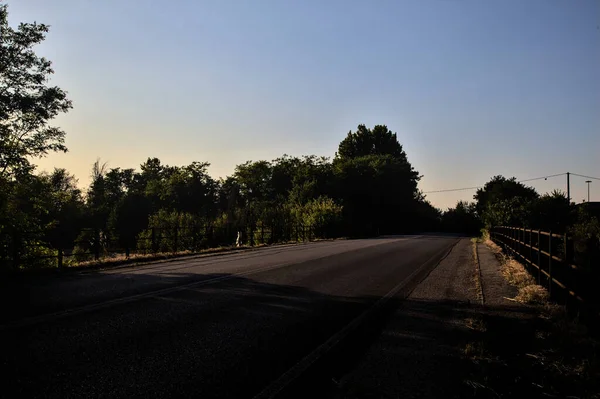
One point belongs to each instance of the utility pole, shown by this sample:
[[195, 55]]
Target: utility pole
[[588, 183], [569, 187]]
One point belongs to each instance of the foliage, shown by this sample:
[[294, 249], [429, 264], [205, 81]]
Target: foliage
[[27, 103], [552, 212], [505, 202], [462, 218], [322, 215], [586, 239], [172, 231], [377, 141]]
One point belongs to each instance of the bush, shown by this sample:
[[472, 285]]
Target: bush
[[586, 239], [322, 215], [38, 256], [173, 231]]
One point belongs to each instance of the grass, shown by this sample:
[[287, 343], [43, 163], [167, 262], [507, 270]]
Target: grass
[[476, 324], [515, 274], [548, 354], [477, 273], [121, 259]]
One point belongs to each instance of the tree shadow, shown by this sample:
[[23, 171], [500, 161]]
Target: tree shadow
[[234, 336]]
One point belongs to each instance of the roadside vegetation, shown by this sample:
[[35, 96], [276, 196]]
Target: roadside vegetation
[[534, 349]]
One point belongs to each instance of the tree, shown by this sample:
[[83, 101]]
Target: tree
[[377, 141], [376, 182], [462, 218], [27, 103], [552, 212], [504, 201], [63, 203]]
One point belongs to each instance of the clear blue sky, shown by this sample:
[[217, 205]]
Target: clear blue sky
[[473, 88]]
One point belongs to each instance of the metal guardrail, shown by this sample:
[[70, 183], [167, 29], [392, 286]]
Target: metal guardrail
[[548, 256]]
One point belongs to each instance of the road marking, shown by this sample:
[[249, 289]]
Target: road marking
[[277, 386], [28, 321]]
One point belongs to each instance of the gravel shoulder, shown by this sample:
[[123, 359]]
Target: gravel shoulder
[[419, 351], [461, 333], [441, 334]]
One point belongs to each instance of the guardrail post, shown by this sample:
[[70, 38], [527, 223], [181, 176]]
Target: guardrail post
[[530, 247], [550, 262], [518, 242], [513, 236], [539, 256], [262, 232], [565, 268], [518, 234], [566, 248]]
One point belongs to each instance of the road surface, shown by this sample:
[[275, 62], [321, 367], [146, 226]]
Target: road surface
[[213, 327]]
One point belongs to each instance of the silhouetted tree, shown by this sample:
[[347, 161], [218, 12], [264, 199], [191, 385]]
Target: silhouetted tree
[[376, 183], [504, 201], [27, 103]]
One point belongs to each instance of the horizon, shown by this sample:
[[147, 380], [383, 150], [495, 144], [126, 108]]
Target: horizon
[[504, 88]]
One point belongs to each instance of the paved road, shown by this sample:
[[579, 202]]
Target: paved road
[[224, 326]]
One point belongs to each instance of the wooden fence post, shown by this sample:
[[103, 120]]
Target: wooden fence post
[[539, 256], [530, 248], [550, 262], [514, 240]]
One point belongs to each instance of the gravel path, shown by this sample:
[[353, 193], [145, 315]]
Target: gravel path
[[418, 355], [495, 287]]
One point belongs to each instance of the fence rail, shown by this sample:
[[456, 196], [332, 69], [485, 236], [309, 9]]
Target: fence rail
[[549, 258], [28, 250]]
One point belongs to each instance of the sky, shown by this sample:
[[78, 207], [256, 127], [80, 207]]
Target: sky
[[473, 88]]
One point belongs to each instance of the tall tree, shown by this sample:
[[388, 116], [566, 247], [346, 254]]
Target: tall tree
[[376, 182], [27, 102]]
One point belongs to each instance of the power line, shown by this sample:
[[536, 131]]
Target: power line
[[519, 181], [543, 177], [587, 177], [452, 189]]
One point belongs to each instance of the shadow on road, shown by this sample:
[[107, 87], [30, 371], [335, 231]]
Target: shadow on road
[[233, 337]]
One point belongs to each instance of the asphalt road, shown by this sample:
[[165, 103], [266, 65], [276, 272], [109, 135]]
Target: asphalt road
[[224, 326]]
